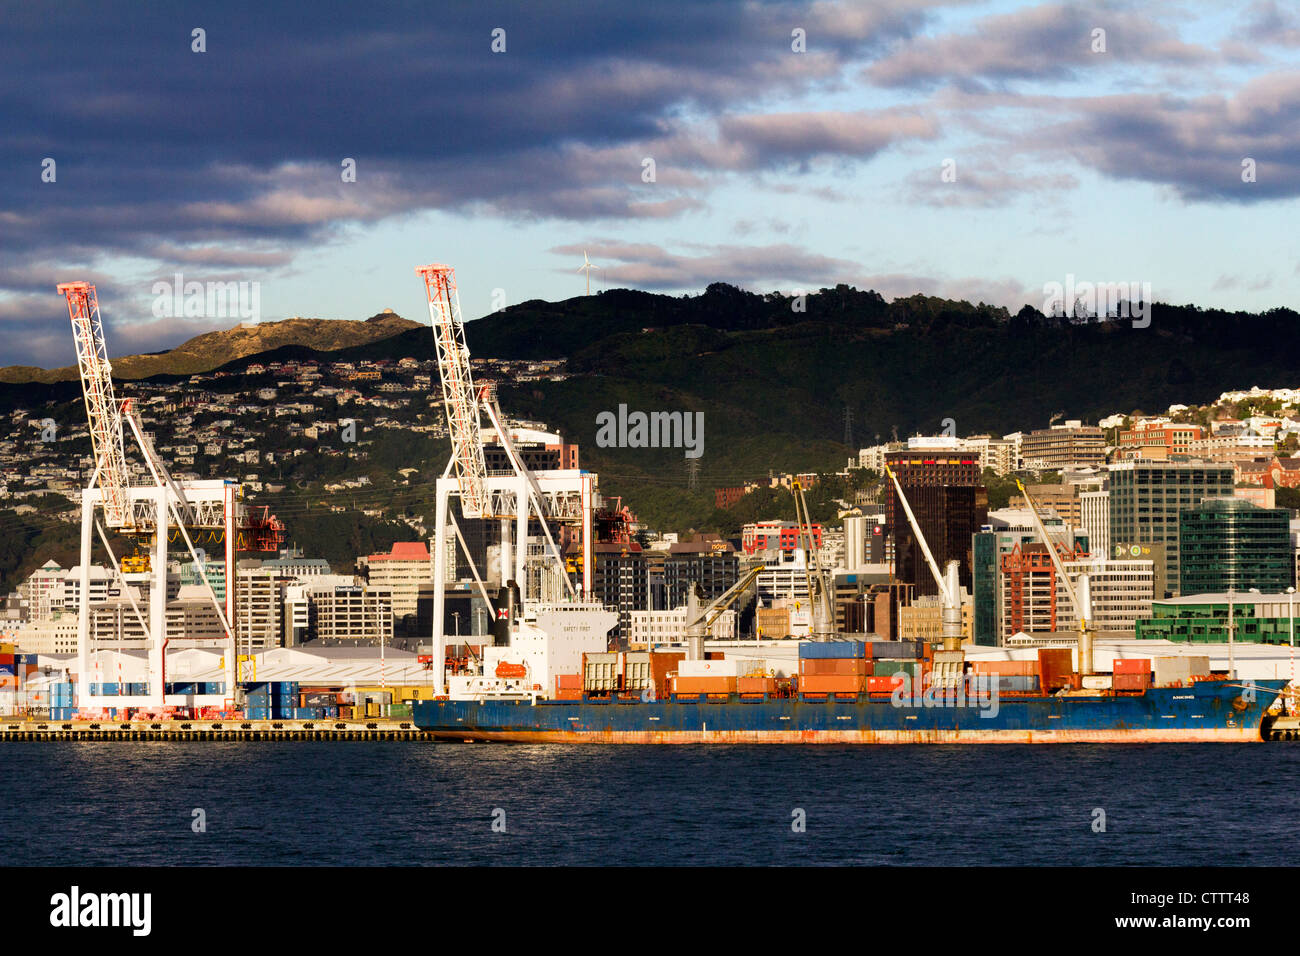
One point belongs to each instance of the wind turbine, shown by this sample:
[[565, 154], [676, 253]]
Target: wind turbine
[[587, 267]]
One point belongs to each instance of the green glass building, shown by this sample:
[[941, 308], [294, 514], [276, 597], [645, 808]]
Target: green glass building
[[1231, 543], [1203, 619]]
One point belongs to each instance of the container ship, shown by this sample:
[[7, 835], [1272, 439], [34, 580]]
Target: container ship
[[861, 692]]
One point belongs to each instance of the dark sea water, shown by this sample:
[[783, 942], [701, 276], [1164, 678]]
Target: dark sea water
[[403, 803]]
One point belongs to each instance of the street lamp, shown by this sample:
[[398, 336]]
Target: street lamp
[[1290, 607]]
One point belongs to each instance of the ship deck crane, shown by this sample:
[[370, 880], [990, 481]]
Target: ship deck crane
[[699, 621], [1081, 599], [823, 617], [948, 583]]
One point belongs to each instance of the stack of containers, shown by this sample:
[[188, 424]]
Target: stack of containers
[[318, 703], [63, 700], [1132, 675], [1013, 677], [834, 668], [9, 669], [284, 700], [257, 705]]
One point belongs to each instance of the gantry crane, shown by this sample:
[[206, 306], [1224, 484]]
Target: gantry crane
[[948, 583], [514, 496], [1081, 599], [148, 513]]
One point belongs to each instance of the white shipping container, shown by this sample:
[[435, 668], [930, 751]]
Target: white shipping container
[[1096, 682], [724, 668]]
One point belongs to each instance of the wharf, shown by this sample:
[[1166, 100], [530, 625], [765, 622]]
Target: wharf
[[1281, 728], [370, 729]]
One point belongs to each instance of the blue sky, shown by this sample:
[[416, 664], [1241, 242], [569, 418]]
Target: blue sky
[[774, 169]]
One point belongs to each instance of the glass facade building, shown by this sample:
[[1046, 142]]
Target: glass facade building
[[1146, 498], [1231, 543]]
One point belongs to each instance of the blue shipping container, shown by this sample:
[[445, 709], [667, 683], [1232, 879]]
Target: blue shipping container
[[832, 650]]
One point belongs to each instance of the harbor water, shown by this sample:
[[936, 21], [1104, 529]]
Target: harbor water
[[401, 803]]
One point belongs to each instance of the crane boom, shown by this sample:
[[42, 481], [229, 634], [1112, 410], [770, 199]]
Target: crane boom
[[818, 587], [102, 411], [920, 538], [460, 400], [1082, 607]]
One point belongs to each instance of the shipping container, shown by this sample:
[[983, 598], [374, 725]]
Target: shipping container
[[1006, 668], [756, 685], [1055, 668], [1133, 665], [600, 672], [1131, 681], [823, 650], [729, 667], [896, 650], [1178, 671], [704, 685], [832, 684], [1096, 681], [851, 667], [883, 684]]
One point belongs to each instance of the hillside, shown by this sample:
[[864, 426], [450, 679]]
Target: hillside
[[214, 349]]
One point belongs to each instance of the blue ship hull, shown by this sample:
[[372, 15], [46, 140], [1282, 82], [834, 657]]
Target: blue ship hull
[[1206, 711]]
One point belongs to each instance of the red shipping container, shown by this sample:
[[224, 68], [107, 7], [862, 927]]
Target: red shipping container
[[568, 681], [1055, 668], [884, 684], [1136, 665], [568, 694], [1131, 681]]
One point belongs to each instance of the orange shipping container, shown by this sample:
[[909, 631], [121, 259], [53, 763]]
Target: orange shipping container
[[1136, 665], [812, 667], [832, 684], [704, 685], [1006, 668], [568, 681], [884, 684], [756, 685]]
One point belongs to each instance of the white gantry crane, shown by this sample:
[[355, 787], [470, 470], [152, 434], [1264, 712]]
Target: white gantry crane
[[147, 512], [513, 497], [1081, 599]]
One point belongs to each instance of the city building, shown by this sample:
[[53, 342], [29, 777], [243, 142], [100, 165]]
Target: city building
[[1121, 592], [350, 612], [776, 535], [950, 504], [922, 620], [619, 582], [1230, 543], [1146, 498], [1156, 440], [707, 560], [1203, 618], [401, 572], [1094, 518], [1061, 446], [663, 627]]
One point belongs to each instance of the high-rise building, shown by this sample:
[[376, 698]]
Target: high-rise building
[[619, 582], [1230, 543], [1146, 497], [401, 572], [1094, 517], [1121, 593], [706, 560], [1006, 529], [950, 505], [1156, 440], [1062, 446]]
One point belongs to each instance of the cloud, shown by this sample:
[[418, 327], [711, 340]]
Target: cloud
[[1053, 41]]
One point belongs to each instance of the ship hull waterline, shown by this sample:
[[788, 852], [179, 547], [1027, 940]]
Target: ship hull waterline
[[1207, 713]]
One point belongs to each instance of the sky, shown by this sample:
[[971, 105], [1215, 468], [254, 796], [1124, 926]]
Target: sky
[[977, 150]]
